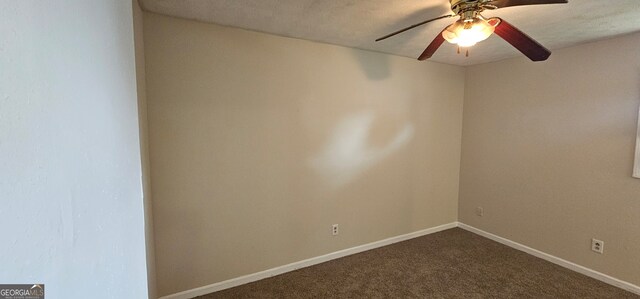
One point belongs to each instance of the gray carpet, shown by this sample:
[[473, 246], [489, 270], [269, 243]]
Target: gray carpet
[[449, 264]]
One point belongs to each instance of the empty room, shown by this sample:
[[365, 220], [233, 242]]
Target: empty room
[[174, 149]]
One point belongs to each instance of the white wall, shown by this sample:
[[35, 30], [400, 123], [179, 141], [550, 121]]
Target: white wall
[[71, 210], [636, 168], [547, 151], [259, 144], [138, 19]]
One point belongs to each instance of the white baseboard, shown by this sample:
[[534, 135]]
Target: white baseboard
[[556, 260], [302, 264], [349, 251]]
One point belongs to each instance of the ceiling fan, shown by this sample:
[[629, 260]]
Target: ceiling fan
[[472, 28]]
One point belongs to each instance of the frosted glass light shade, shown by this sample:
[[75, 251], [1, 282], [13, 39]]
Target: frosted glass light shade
[[466, 33]]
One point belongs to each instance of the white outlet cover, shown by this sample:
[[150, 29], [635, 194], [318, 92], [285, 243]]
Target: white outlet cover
[[597, 246]]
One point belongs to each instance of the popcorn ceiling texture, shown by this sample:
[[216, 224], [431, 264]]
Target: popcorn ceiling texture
[[358, 23]]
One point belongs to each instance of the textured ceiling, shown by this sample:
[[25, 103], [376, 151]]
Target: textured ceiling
[[357, 24]]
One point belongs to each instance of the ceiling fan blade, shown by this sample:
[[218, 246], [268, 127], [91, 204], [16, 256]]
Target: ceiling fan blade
[[412, 26], [507, 3], [433, 46], [525, 44]]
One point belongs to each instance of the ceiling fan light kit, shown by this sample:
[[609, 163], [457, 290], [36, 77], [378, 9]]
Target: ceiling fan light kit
[[472, 27], [466, 33]]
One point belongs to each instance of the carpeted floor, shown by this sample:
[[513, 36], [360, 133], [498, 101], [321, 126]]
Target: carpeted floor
[[449, 264]]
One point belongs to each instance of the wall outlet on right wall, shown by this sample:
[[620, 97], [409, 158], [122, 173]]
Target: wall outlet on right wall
[[597, 246], [479, 211]]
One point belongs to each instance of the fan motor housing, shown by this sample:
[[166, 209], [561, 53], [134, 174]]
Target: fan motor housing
[[467, 8]]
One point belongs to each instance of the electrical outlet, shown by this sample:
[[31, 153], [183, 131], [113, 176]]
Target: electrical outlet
[[334, 230], [597, 246], [479, 211]]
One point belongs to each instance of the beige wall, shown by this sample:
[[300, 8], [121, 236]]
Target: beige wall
[[260, 143], [138, 17], [548, 152]]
